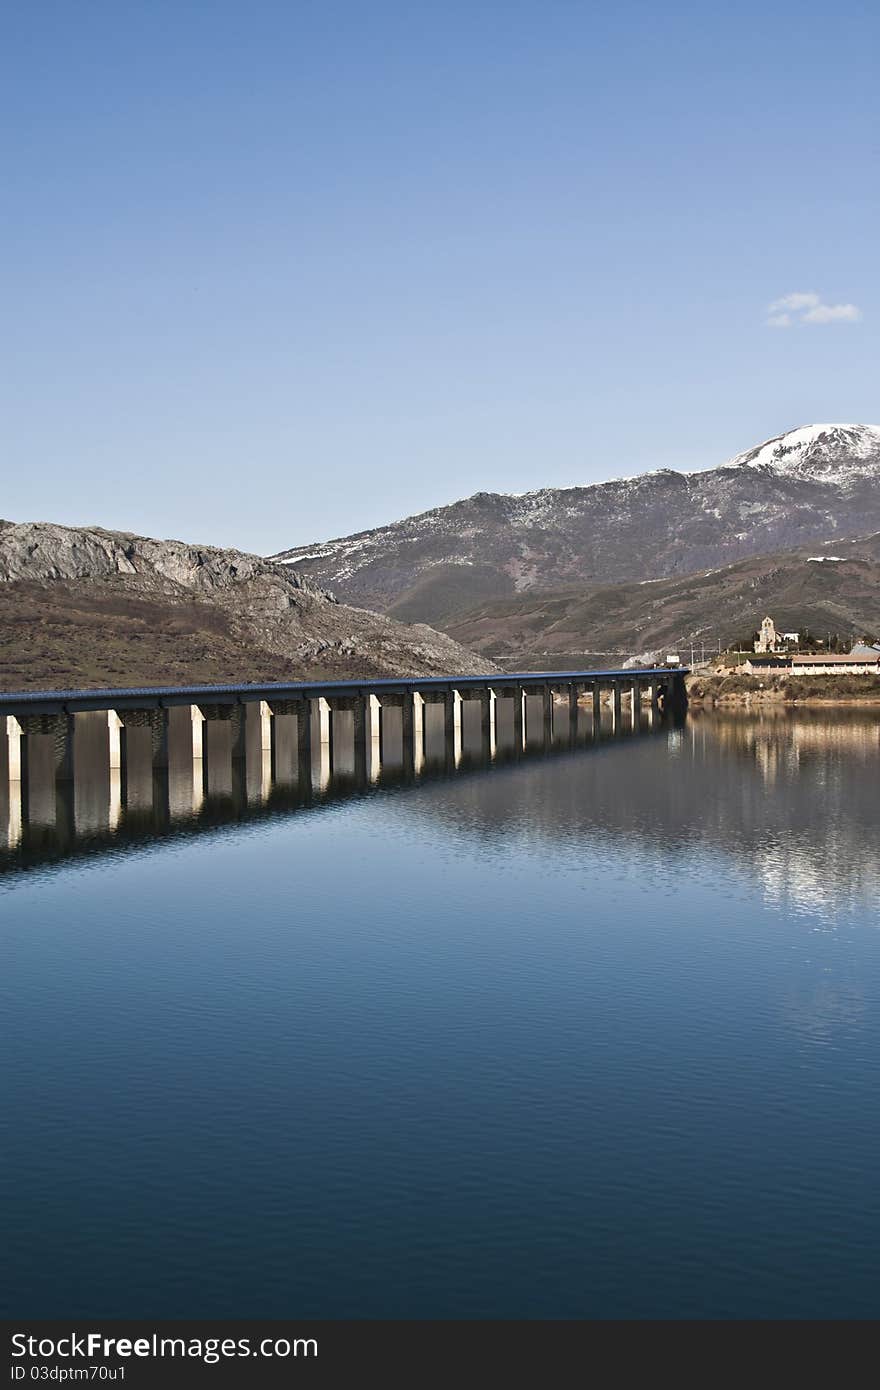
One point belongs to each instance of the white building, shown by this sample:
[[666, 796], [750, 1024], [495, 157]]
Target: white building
[[768, 641], [830, 664]]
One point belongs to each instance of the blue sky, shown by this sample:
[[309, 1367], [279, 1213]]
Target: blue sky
[[274, 272]]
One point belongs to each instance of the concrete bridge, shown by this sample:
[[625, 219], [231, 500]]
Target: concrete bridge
[[304, 730]]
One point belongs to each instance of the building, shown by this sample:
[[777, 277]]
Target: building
[[829, 664], [765, 663], [768, 640], [863, 661]]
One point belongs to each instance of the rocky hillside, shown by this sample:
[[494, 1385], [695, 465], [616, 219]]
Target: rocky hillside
[[830, 588], [805, 486], [85, 607]]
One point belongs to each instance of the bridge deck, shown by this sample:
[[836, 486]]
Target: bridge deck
[[163, 696]]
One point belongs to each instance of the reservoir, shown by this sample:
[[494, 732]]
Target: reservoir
[[587, 1030]]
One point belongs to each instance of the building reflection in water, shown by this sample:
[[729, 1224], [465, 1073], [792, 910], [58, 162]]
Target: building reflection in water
[[789, 803]]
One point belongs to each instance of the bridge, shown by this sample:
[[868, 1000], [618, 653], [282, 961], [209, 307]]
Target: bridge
[[305, 731]]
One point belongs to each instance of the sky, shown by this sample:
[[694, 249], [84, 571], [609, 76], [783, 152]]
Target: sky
[[274, 272]]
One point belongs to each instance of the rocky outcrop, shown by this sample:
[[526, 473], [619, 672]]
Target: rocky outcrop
[[41, 550], [87, 606]]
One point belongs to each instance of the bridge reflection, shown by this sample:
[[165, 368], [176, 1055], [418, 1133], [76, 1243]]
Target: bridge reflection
[[215, 774]]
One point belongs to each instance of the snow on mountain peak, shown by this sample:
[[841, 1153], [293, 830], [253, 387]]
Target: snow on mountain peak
[[826, 453]]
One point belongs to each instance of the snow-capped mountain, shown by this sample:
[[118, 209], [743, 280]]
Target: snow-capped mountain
[[809, 485], [825, 453]]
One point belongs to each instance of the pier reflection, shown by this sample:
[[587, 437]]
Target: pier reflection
[[215, 771]]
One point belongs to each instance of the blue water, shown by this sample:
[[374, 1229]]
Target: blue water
[[593, 1035]]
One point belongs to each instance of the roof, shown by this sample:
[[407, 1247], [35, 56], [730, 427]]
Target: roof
[[835, 659]]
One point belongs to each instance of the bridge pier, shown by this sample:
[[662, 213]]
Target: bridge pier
[[197, 720], [547, 714], [452, 713], [114, 740], [488, 722], [265, 727], [12, 746], [265, 750], [361, 737], [304, 743], [452, 726], [519, 718], [374, 714], [636, 703], [413, 732], [114, 750], [616, 703], [573, 712], [323, 720], [11, 807]]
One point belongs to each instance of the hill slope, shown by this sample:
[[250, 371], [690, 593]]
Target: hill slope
[[827, 589], [800, 487], [83, 607]]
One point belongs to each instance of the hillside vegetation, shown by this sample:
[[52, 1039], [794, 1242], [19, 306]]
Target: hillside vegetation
[[655, 617], [739, 687]]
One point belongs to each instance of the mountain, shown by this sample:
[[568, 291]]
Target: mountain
[[833, 588], [83, 607], [816, 482]]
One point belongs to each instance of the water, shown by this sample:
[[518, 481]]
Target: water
[[586, 1034]]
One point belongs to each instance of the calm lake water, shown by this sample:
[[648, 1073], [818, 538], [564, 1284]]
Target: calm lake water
[[590, 1033]]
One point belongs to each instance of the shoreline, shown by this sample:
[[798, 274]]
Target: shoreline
[[736, 691], [779, 701]]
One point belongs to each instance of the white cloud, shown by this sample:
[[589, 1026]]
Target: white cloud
[[805, 306], [795, 302], [833, 313]]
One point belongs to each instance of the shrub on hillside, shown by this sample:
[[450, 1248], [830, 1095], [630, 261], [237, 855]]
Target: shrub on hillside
[[737, 683], [844, 687]]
